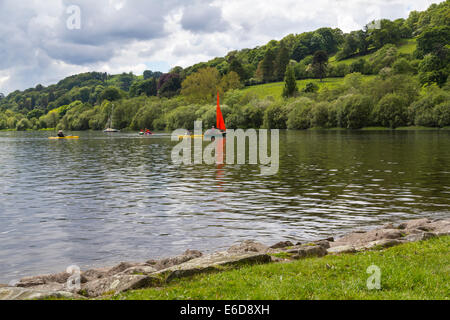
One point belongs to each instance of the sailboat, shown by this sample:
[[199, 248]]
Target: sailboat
[[110, 121], [220, 123], [220, 128]]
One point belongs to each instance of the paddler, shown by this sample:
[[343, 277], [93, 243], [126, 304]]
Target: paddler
[[60, 134]]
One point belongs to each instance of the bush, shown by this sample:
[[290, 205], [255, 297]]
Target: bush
[[424, 113], [146, 116], [402, 65], [442, 114], [354, 111], [182, 118], [300, 115], [320, 114], [391, 111], [310, 87], [276, 116], [23, 125]]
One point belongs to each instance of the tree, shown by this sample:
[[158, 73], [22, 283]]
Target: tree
[[268, 66], [432, 70], [300, 52], [110, 94], [320, 63], [201, 86], [236, 66], [169, 85], [290, 85], [230, 81], [147, 87], [281, 62], [434, 41], [147, 74]]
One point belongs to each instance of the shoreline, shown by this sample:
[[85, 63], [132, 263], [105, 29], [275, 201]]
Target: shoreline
[[126, 276], [407, 128]]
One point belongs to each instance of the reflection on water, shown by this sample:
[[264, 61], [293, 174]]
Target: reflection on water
[[109, 198]]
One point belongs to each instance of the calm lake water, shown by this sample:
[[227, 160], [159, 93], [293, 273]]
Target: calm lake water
[[110, 198]]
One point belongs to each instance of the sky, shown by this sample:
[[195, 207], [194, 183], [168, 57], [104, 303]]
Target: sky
[[41, 42]]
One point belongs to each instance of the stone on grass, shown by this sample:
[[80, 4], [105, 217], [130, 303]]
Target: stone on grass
[[60, 278], [282, 244], [116, 284], [174, 261], [212, 262], [17, 293], [248, 246], [341, 249]]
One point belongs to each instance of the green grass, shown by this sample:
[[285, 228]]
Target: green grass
[[408, 46], [416, 128], [375, 129], [413, 271], [275, 89]]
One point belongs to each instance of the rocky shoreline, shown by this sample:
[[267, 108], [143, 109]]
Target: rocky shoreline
[[95, 283]]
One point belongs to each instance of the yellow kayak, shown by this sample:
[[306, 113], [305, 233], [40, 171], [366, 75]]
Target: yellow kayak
[[68, 137], [191, 136]]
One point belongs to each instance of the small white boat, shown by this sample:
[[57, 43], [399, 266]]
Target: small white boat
[[110, 121]]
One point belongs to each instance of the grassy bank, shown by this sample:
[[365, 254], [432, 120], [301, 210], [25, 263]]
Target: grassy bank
[[413, 271]]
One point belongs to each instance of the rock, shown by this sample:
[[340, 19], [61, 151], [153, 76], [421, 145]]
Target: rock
[[440, 227], [361, 239], [17, 293], [310, 251], [60, 278], [419, 236], [95, 274], [117, 283], [282, 244], [212, 262], [413, 224], [170, 262], [143, 270], [121, 267], [248, 246], [323, 243], [341, 249], [384, 243]]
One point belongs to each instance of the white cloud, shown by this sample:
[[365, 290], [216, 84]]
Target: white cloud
[[123, 35]]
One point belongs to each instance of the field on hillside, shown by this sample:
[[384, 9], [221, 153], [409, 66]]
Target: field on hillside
[[407, 47], [275, 89]]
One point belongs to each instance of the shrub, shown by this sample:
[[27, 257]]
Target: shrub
[[442, 114], [319, 115], [275, 116], [23, 125], [300, 115], [391, 111], [354, 111]]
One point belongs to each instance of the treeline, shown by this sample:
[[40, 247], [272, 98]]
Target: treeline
[[357, 102]]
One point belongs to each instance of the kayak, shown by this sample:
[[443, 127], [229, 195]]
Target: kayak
[[68, 137], [195, 136]]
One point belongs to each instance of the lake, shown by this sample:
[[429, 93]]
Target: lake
[[110, 198]]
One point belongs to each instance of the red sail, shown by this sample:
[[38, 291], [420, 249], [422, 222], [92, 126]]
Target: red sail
[[220, 123]]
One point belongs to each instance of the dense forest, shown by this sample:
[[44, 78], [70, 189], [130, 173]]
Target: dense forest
[[393, 74]]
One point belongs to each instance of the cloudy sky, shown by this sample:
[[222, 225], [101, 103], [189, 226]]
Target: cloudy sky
[[44, 41]]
